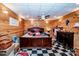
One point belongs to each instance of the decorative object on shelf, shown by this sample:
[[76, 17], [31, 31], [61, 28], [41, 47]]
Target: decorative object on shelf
[[48, 28], [67, 22], [37, 24], [68, 28], [66, 38]]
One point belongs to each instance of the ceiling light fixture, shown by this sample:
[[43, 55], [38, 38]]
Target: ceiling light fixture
[[43, 17], [5, 11], [58, 17], [31, 19], [27, 16], [76, 25], [60, 20], [21, 16], [46, 21]]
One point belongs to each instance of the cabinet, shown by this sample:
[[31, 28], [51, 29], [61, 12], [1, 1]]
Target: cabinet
[[66, 38]]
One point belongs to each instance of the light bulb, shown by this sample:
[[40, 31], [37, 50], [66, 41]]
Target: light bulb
[[6, 12]]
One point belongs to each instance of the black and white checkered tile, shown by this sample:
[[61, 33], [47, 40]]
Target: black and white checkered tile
[[57, 50]]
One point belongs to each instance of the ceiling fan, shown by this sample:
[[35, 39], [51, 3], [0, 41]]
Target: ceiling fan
[[43, 17]]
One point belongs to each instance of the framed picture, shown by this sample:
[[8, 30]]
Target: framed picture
[[13, 22]]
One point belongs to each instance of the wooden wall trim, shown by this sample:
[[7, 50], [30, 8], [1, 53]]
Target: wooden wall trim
[[11, 33]]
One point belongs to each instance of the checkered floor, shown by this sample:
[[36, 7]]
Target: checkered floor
[[57, 50]]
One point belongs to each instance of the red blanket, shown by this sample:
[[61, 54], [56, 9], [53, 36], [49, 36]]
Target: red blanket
[[23, 53]]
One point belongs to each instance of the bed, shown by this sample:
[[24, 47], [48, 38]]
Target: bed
[[36, 37]]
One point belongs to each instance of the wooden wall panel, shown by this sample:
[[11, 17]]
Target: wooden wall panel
[[49, 26], [5, 28], [73, 18], [51, 23]]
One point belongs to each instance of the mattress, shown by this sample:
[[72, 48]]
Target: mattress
[[26, 35]]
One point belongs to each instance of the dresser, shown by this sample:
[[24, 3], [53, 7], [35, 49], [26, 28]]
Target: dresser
[[66, 39]]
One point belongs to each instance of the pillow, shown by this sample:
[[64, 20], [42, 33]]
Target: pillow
[[38, 34]]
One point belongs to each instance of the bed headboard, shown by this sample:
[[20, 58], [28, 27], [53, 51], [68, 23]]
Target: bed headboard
[[36, 29]]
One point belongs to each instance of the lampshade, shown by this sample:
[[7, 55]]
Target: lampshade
[[76, 25]]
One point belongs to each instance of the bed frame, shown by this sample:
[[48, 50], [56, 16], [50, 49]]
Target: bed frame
[[36, 41], [43, 42]]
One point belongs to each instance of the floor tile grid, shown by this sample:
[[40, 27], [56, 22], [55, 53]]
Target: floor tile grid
[[57, 50]]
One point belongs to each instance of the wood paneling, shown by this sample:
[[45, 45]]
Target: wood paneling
[[73, 18], [51, 24], [5, 28]]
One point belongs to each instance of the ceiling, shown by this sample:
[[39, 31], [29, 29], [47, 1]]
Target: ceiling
[[33, 10]]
